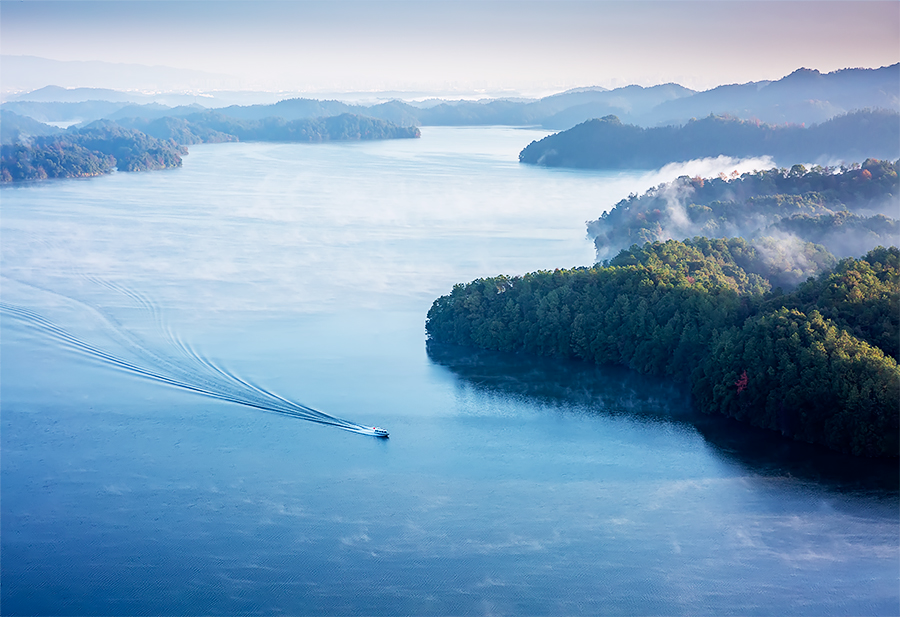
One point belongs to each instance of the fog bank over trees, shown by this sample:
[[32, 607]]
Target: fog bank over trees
[[848, 210]]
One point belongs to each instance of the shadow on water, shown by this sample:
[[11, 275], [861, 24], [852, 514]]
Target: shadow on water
[[613, 390]]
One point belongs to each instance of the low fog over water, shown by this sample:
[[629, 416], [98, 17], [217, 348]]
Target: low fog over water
[[298, 277]]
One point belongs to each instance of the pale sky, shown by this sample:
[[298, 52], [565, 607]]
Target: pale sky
[[529, 47]]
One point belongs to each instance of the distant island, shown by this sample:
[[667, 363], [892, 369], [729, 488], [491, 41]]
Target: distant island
[[105, 145], [606, 143], [817, 363]]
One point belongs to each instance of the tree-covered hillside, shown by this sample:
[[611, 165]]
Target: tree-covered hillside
[[214, 127], [606, 143], [842, 209], [15, 128], [56, 159], [177, 129], [96, 149], [703, 311], [105, 145]]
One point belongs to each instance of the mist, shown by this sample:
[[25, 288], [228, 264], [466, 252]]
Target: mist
[[784, 214]]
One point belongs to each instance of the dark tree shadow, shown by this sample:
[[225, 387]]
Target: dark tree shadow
[[586, 388]]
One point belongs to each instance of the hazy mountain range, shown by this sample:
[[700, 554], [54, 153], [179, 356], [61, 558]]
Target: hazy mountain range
[[805, 96]]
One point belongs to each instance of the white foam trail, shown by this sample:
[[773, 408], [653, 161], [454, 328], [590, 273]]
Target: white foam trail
[[217, 383]]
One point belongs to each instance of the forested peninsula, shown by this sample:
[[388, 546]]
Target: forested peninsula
[[816, 361], [607, 143], [818, 364], [140, 145], [96, 149]]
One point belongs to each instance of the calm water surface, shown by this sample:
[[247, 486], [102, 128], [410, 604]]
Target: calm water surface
[[509, 485]]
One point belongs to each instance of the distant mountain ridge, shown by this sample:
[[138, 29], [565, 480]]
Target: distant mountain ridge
[[24, 73], [806, 96], [58, 94]]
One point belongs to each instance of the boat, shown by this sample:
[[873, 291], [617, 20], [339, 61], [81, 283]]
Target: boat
[[379, 432]]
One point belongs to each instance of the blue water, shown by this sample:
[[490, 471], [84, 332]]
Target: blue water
[[509, 484]]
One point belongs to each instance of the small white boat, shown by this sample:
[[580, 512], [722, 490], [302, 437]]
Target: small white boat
[[379, 432]]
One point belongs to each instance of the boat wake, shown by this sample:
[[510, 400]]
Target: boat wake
[[199, 375]]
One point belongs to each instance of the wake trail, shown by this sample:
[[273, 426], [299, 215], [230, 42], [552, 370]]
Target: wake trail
[[228, 375], [185, 350], [218, 384]]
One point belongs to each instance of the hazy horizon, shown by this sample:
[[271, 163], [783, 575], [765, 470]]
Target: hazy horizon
[[506, 48]]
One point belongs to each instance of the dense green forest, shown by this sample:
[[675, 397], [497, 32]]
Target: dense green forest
[[93, 150], [56, 159], [818, 363], [842, 209], [607, 143]]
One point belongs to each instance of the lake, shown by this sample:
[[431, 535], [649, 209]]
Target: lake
[[149, 320]]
